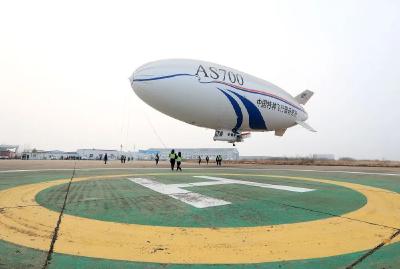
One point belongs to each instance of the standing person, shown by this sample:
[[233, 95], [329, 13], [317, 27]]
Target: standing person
[[220, 160], [105, 158], [199, 160], [122, 158], [172, 157], [207, 159], [217, 159], [157, 158], [178, 162]]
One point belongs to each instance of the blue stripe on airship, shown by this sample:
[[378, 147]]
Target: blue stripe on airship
[[256, 120], [237, 109]]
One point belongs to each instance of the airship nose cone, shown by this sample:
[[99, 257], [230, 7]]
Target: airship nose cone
[[142, 86], [135, 83], [132, 79]]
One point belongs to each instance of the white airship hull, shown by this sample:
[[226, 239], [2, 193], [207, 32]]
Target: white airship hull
[[216, 97]]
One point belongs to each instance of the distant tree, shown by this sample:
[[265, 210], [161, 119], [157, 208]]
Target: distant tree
[[34, 150]]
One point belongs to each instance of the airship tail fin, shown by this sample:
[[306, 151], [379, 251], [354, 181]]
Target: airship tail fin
[[305, 125], [303, 97]]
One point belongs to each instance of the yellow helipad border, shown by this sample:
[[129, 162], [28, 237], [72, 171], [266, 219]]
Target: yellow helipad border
[[32, 226]]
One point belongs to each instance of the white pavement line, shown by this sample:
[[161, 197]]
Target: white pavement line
[[175, 191], [257, 184], [313, 170], [330, 171], [197, 184], [347, 172], [81, 169], [206, 168], [157, 186]]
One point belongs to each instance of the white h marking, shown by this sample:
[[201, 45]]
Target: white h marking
[[188, 197], [256, 184], [201, 201]]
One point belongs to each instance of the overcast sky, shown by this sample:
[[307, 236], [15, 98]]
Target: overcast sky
[[64, 71]]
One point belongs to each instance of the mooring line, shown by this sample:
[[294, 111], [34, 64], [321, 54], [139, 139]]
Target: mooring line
[[372, 251], [56, 229]]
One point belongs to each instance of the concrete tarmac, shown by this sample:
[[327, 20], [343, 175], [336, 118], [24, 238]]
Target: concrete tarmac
[[98, 216]]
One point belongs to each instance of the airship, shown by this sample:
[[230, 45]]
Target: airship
[[217, 97]]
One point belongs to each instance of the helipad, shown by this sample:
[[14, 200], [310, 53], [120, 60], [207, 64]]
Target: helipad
[[200, 218]]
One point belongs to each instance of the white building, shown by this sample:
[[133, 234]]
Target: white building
[[49, 155], [323, 156], [191, 153], [149, 154], [98, 154]]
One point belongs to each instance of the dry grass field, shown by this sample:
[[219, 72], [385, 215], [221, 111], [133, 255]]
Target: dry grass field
[[353, 163]]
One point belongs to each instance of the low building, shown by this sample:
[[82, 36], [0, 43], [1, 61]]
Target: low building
[[146, 154], [190, 153], [98, 154], [8, 151], [323, 156], [149, 154], [49, 155]]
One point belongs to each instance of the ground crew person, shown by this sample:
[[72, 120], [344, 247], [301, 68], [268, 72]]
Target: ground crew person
[[218, 160], [172, 157], [199, 160], [207, 159], [105, 158], [157, 158], [178, 162]]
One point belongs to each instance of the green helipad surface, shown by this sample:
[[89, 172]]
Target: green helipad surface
[[108, 198]]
